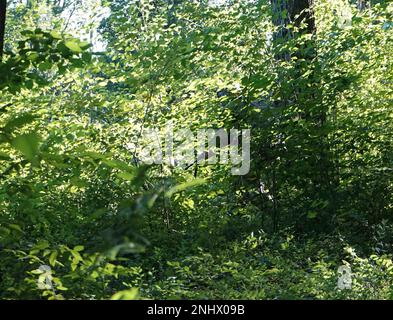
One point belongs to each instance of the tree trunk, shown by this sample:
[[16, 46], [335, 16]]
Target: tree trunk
[[3, 9], [292, 11], [299, 13]]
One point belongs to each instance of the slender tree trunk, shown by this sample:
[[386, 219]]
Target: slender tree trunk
[[3, 10], [292, 11], [299, 13]]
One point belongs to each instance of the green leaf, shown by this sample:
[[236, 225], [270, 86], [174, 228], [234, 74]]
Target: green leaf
[[312, 215], [126, 176], [32, 56], [41, 245], [52, 258], [15, 227], [184, 186], [130, 294], [73, 46], [27, 144], [86, 57], [79, 248], [84, 45], [29, 84], [45, 66], [56, 35], [124, 248]]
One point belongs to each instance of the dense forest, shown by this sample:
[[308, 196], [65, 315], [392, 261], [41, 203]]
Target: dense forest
[[196, 149]]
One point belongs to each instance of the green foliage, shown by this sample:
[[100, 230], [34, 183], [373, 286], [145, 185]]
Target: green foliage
[[82, 218], [37, 54]]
